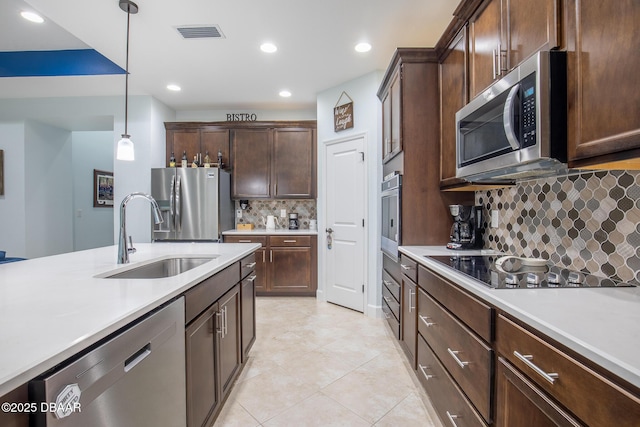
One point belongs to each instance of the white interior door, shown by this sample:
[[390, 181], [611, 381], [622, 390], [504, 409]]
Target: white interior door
[[345, 214]]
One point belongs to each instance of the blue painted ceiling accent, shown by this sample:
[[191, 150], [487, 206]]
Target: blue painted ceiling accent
[[77, 62]]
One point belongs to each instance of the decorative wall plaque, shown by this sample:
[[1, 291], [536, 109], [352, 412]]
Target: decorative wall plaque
[[343, 114]]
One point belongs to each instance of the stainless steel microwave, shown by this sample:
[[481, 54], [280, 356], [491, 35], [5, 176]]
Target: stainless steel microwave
[[517, 128]]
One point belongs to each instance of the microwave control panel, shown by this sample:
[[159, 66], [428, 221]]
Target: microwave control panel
[[528, 103]]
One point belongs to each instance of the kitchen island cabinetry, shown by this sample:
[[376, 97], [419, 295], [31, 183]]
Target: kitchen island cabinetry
[[602, 61], [289, 263], [504, 33], [277, 162], [409, 308], [196, 139], [248, 302], [213, 343]]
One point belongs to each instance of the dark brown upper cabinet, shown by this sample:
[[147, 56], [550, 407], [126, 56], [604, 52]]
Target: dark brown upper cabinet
[[391, 118], [603, 79], [503, 33], [197, 139]]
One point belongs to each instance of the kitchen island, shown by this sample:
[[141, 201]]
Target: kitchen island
[[532, 347], [54, 307]]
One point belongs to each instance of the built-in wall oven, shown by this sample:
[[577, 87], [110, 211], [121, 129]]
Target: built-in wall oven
[[391, 214]]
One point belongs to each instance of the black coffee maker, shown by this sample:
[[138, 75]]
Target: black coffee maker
[[466, 231]]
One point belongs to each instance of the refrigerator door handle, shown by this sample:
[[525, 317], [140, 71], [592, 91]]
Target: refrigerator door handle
[[178, 206], [172, 201]]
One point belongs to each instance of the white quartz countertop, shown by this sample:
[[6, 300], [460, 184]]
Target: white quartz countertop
[[601, 324], [276, 232], [53, 307]]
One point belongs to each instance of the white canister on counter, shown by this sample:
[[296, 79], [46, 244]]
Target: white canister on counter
[[313, 224]]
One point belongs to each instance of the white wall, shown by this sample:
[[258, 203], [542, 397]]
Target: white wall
[[368, 121], [12, 204], [48, 190], [92, 227], [262, 115]]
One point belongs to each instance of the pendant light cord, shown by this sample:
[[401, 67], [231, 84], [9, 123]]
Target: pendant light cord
[[126, 79]]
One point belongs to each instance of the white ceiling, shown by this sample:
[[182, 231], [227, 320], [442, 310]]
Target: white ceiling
[[315, 42]]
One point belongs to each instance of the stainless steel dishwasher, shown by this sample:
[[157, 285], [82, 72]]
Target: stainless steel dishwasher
[[136, 378]]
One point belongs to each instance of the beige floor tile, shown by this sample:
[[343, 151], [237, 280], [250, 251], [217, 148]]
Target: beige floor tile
[[318, 410], [266, 395], [408, 413], [234, 415]]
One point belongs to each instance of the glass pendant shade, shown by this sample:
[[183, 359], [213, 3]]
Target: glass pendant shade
[[124, 151]]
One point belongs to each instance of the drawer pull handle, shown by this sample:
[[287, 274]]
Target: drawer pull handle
[[387, 299], [386, 282], [244, 241], [250, 265], [453, 418], [454, 354], [424, 320], [527, 360], [423, 369], [289, 241], [386, 315], [252, 278], [405, 267]]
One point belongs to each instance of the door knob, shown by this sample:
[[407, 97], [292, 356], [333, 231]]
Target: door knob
[[329, 230]]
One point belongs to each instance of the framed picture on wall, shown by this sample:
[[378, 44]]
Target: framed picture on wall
[[102, 189]]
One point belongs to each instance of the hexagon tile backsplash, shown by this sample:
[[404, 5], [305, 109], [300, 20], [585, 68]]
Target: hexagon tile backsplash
[[305, 208], [589, 221]]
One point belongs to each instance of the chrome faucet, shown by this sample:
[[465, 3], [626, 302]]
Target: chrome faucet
[[124, 247]]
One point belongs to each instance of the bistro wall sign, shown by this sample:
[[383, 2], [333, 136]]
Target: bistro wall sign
[[343, 114], [242, 117]]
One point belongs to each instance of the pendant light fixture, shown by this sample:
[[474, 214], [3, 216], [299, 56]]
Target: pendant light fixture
[[124, 150]]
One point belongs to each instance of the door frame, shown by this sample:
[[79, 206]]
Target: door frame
[[369, 309]]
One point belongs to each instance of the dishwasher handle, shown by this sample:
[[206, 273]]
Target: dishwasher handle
[[137, 357]]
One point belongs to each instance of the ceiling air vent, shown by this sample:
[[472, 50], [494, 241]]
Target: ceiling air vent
[[201, 32]]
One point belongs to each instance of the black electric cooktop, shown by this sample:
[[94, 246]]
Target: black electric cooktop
[[514, 274]]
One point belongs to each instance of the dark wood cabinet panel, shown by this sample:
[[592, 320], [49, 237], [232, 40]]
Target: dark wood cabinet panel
[[392, 118], [230, 338], [603, 63], [251, 163], [453, 96], [530, 27], [248, 302], [484, 41], [521, 404], [408, 319], [575, 386], [290, 269], [214, 140], [202, 375], [179, 141], [294, 163]]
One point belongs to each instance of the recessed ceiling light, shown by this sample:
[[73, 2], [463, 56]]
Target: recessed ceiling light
[[363, 47], [268, 47], [285, 93], [32, 16], [174, 88]]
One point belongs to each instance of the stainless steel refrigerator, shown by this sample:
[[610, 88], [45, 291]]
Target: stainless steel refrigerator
[[195, 203]]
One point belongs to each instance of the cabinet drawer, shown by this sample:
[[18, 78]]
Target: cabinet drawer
[[467, 358], [391, 284], [475, 314], [394, 323], [246, 239], [247, 265], [392, 267], [391, 302], [450, 403], [208, 291], [409, 268], [290, 240], [580, 389]]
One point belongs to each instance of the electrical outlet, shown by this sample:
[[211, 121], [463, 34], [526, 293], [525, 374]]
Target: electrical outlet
[[238, 213], [494, 218], [283, 213]]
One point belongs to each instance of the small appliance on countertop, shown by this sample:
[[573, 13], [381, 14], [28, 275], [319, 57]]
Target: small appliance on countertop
[[512, 272], [466, 231], [293, 221]]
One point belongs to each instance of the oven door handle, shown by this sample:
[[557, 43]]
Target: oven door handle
[[507, 118]]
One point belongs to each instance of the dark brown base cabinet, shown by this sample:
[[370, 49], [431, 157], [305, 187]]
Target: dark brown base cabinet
[[286, 265], [220, 318], [480, 367]]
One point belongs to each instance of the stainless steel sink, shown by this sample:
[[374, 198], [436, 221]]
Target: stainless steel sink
[[163, 268]]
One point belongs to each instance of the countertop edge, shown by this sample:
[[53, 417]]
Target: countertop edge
[[615, 366], [27, 373]]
